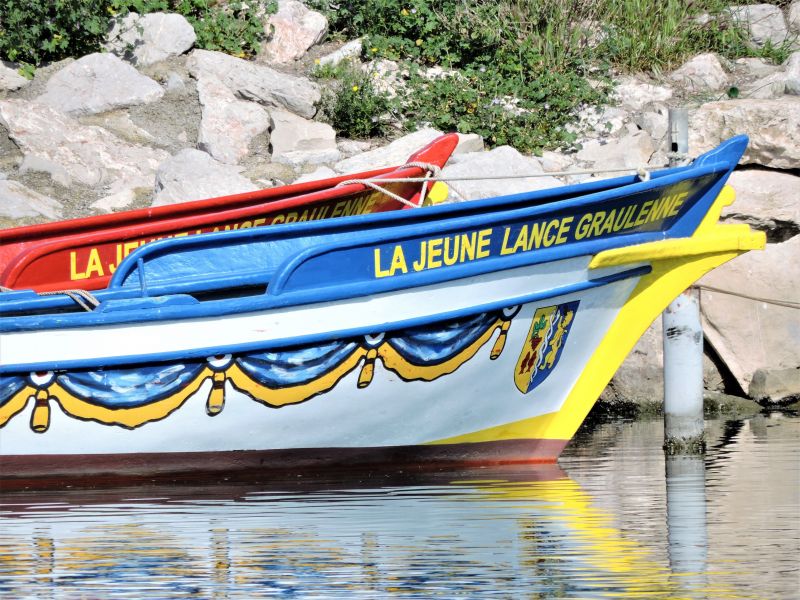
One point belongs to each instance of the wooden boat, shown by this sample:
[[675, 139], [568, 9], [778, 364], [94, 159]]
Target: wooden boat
[[475, 332], [83, 253]]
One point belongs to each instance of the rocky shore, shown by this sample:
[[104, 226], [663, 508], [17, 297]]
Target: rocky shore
[[153, 121]]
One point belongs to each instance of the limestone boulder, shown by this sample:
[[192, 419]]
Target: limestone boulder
[[258, 83], [640, 378], [703, 73], [395, 153], [772, 125], [766, 200], [793, 17], [147, 39], [193, 174], [298, 141], [71, 153], [776, 385], [792, 74], [10, 79], [749, 311], [501, 161], [633, 94], [321, 172], [351, 50], [295, 28], [630, 151], [763, 22], [228, 125], [18, 202], [98, 83]]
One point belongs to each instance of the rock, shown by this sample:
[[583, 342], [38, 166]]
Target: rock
[[503, 161], [635, 95], [227, 125], [763, 22], [88, 155], [19, 202], [771, 125], [656, 123], [767, 201], [116, 201], [192, 175], [321, 172], [792, 81], [151, 38], [10, 79], [771, 86], [351, 50], [752, 334], [632, 151], [98, 83], [703, 73], [120, 124], [257, 82], [775, 385], [295, 28], [640, 378], [297, 141], [468, 142], [754, 67], [350, 148], [794, 16], [396, 153]]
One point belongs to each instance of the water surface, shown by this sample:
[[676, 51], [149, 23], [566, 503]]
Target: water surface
[[614, 519]]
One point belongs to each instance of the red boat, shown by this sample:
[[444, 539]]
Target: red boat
[[83, 253]]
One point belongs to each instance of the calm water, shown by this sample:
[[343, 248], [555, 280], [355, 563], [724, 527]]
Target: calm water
[[615, 520]]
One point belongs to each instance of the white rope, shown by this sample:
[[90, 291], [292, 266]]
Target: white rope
[[431, 172], [82, 298]]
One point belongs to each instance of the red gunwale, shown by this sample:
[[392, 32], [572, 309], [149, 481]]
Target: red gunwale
[[25, 250]]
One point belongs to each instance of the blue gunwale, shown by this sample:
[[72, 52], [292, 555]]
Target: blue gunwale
[[361, 231], [322, 336]]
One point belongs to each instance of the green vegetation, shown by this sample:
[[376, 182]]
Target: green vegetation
[[352, 105], [516, 71], [34, 32]]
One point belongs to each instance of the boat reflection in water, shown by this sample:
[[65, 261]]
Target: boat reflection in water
[[523, 530]]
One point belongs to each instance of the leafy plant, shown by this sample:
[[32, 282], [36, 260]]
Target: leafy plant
[[36, 31], [235, 27], [353, 106]]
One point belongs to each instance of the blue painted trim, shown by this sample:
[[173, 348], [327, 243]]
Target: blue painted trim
[[202, 353], [474, 213]]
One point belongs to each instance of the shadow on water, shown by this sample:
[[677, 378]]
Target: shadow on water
[[616, 519]]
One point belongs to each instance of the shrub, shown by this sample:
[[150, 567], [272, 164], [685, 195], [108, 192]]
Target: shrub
[[37, 31], [352, 105]]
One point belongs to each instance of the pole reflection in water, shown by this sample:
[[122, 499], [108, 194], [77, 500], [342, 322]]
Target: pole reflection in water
[[687, 533]]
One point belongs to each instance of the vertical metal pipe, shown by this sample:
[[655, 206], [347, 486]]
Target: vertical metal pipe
[[683, 342]]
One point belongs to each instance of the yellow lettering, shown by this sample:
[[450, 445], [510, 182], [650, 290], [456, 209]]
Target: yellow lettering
[[73, 268], [522, 240], [468, 243], [398, 261], [537, 233], [677, 203], [504, 249], [259, 221], [582, 229], [484, 239], [277, 219], [435, 253], [451, 258], [419, 265], [94, 266], [549, 236], [563, 230], [378, 271]]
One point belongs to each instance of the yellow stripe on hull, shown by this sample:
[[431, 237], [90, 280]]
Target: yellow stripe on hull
[[676, 264]]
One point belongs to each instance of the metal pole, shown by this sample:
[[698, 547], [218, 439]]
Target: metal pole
[[683, 342], [687, 531]]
